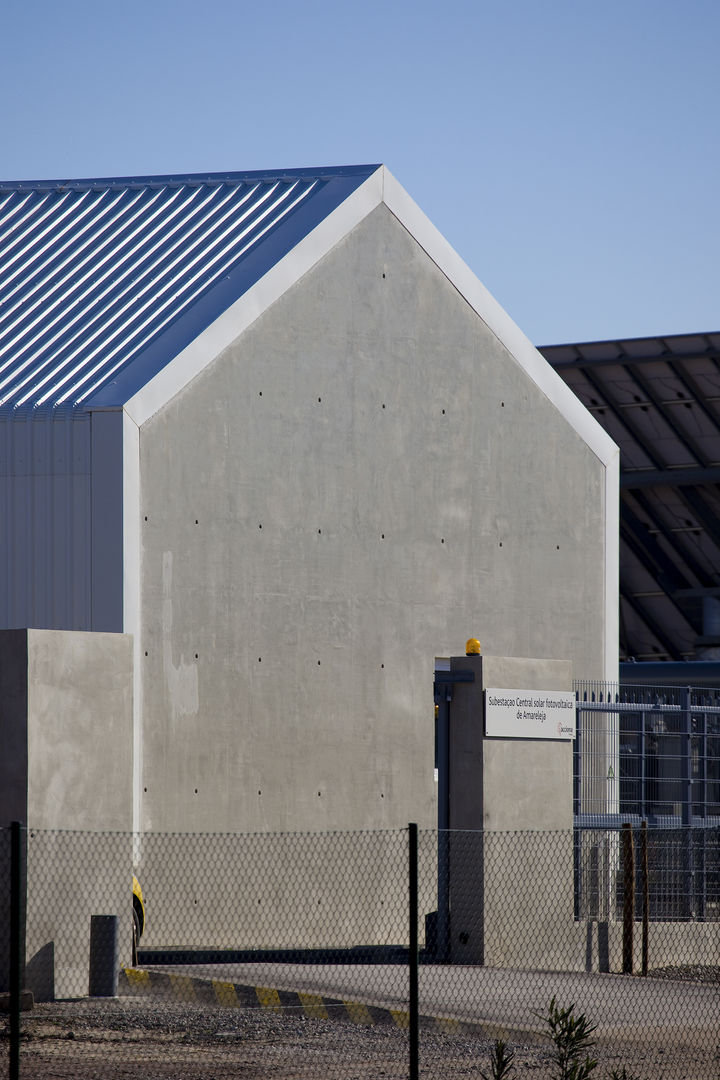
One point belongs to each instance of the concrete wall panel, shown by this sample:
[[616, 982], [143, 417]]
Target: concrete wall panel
[[361, 481], [79, 700], [66, 717]]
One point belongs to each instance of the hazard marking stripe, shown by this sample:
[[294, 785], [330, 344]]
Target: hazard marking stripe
[[446, 1025], [225, 993], [313, 1006], [268, 998], [358, 1013], [138, 980], [182, 987]]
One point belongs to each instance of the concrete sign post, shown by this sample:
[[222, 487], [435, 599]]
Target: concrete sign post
[[510, 774]]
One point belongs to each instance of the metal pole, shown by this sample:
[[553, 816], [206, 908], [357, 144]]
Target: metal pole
[[643, 767], [686, 796], [628, 897], [413, 966], [577, 759], [685, 758], [16, 878], [646, 897]]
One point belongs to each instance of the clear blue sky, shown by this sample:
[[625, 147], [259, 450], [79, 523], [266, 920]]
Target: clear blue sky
[[568, 149]]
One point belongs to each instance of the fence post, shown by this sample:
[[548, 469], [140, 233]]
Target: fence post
[[413, 958], [646, 896], [16, 880], [686, 805], [628, 897]]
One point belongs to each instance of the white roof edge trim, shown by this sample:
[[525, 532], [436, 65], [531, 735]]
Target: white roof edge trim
[[611, 621], [496, 318], [191, 361]]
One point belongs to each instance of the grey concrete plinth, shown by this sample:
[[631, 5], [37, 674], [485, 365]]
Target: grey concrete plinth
[[510, 815], [103, 956]]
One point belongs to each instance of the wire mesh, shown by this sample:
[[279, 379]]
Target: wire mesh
[[287, 955]]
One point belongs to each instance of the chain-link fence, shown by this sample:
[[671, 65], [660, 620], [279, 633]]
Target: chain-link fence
[[400, 953]]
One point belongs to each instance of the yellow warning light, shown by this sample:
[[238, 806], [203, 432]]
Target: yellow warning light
[[472, 647]]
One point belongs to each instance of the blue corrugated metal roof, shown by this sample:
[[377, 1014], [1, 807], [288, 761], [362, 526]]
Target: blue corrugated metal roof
[[103, 282]]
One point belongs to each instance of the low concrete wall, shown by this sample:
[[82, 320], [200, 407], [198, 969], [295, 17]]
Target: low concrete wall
[[276, 890], [670, 944], [66, 710]]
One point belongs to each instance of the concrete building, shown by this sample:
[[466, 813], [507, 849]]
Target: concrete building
[[273, 428]]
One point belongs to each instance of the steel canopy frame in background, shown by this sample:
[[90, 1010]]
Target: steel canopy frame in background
[[659, 399]]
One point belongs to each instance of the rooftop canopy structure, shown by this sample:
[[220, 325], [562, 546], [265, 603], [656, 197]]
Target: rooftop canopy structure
[[659, 399]]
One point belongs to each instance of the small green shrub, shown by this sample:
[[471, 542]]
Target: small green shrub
[[571, 1038], [501, 1062]]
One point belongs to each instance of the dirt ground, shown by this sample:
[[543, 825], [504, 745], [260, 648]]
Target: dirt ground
[[149, 1038]]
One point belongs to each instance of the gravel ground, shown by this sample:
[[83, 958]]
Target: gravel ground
[[688, 974], [151, 1038]]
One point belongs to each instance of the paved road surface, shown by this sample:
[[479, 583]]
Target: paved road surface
[[624, 1007]]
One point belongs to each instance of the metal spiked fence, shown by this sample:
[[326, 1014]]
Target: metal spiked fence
[[399, 953]]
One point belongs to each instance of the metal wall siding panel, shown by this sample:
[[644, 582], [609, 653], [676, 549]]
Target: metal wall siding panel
[[45, 509], [106, 581], [93, 274]]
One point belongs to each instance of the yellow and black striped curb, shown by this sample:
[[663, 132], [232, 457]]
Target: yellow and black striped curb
[[140, 982]]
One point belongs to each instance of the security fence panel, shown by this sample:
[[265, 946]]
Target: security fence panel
[[517, 962], [261, 955], [357, 955]]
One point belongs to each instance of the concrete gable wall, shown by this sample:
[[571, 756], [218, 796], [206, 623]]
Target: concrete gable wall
[[362, 480]]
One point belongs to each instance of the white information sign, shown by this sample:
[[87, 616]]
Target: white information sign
[[530, 714]]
